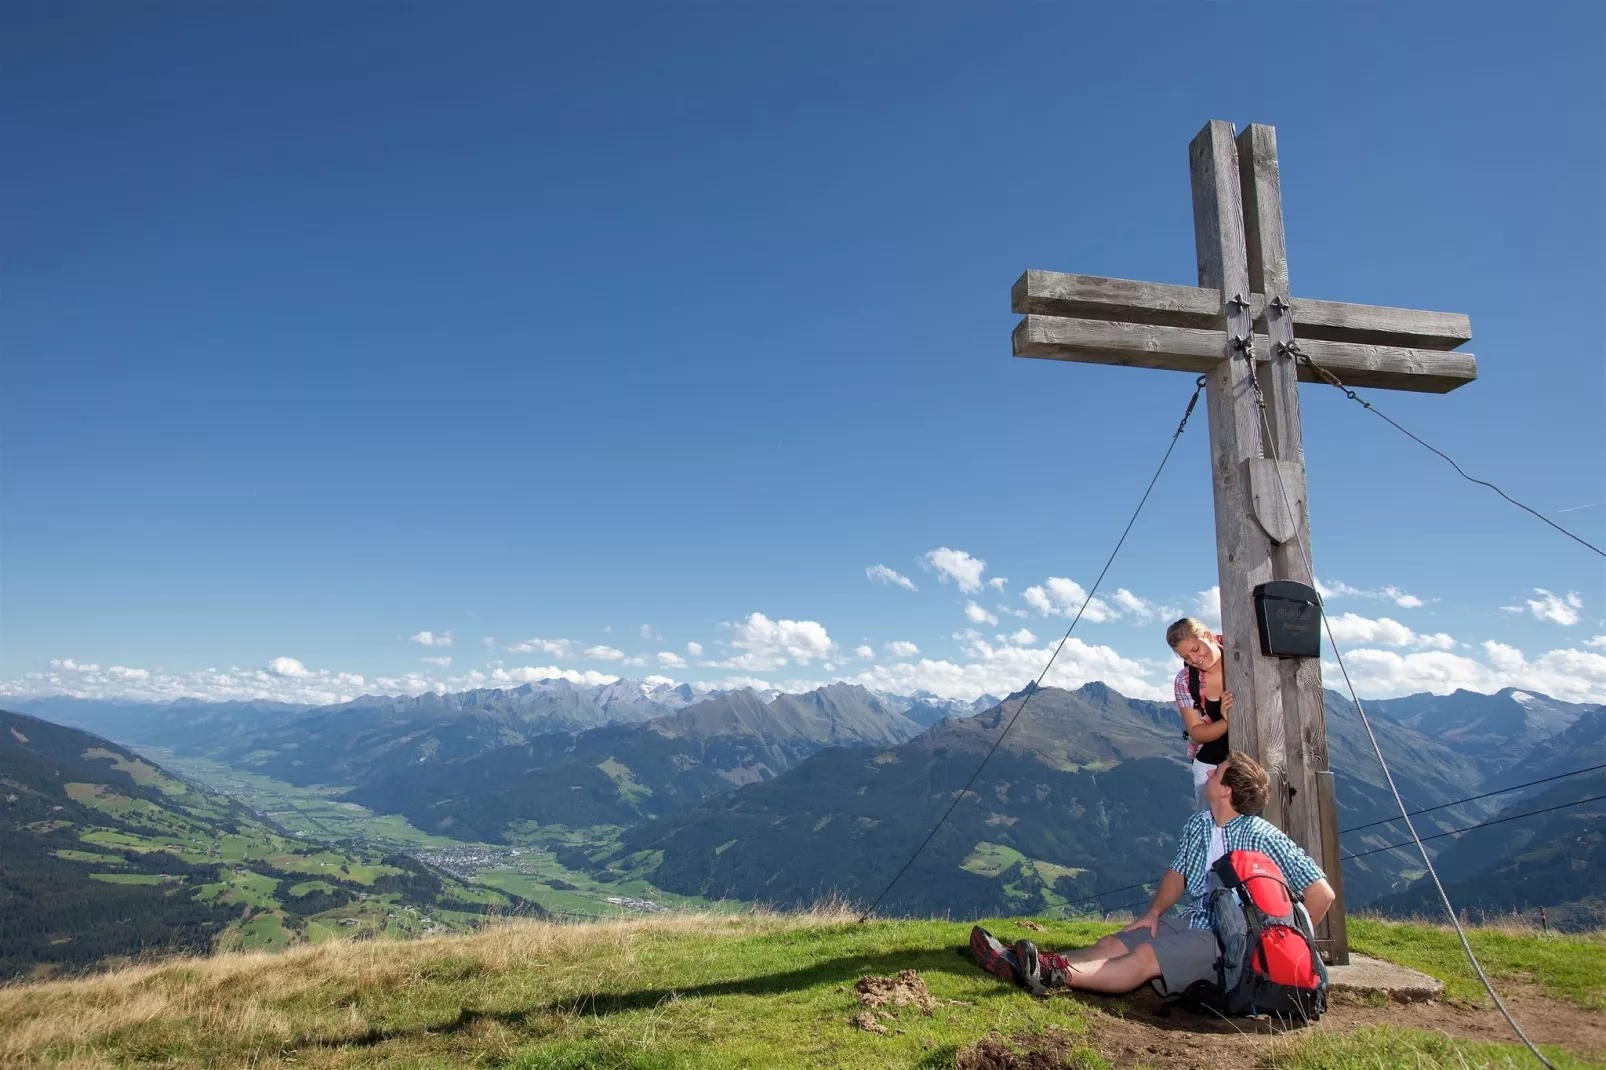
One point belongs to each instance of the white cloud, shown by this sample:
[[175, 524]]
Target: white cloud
[[530, 674], [997, 583], [999, 670], [557, 648], [647, 633], [1014, 612], [883, 574], [766, 644], [958, 566], [671, 660], [694, 649], [900, 648], [1061, 597], [431, 639], [1350, 628], [1141, 610], [1023, 638], [863, 652], [281, 680], [1571, 675], [1207, 607], [1558, 609], [635, 661], [737, 683], [979, 615], [657, 681], [444, 662], [489, 641], [1598, 642], [412, 683], [604, 653], [1340, 589], [288, 667]]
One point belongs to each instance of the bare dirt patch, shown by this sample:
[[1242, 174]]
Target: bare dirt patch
[[904, 990], [1131, 1030], [1048, 1050]]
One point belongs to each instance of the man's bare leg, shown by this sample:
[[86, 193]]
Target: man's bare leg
[[1121, 973], [1107, 947]]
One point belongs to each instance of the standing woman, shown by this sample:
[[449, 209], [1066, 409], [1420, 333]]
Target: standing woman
[[1202, 697]]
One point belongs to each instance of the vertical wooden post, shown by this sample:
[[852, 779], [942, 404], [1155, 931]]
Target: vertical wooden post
[[1333, 933], [1243, 549], [1308, 816]]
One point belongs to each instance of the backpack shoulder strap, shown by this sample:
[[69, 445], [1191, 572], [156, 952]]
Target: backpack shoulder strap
[[1195, 689]]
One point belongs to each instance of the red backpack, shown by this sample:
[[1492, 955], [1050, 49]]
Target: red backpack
[[1269, 963]]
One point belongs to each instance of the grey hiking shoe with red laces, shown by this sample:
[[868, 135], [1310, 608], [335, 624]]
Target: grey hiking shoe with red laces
[[1040, 970]]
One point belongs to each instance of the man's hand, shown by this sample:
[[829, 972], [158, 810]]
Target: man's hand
[[1149, 921]]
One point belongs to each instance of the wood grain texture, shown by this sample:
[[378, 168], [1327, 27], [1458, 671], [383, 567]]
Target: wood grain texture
[[1052, 293], [1243, 551], [1280, 515], [1280, 490], [1335, 927], [1185, 349]]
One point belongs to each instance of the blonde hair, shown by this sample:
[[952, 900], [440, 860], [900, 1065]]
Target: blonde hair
[[1187, 628]]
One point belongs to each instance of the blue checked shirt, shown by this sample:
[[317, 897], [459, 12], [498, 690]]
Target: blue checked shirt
[[1242, 833]]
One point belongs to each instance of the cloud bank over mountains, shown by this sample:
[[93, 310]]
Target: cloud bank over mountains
[[1117, 641]]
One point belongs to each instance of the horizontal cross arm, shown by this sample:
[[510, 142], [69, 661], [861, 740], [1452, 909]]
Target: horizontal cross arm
[[1187, 349], [1050, 293]]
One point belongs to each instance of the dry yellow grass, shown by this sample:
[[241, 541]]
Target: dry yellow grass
[[242, 995]]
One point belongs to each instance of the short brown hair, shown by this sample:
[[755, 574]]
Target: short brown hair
[[1187, 628], [1248, 781]]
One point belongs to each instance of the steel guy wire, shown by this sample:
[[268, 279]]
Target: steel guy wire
[[1479, 825], [1198, 387], [1292, 349], [1268, 441], [1474, 798]]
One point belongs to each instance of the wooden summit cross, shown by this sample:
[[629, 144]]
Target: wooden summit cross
[[1208, 329]]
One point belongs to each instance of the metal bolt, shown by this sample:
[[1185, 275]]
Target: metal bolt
[[1238, 301], [1279, 304]]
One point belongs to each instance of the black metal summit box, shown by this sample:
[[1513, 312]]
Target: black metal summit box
[[1290, 618]]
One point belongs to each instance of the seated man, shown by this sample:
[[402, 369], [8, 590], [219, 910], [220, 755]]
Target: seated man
[[1182, 951]]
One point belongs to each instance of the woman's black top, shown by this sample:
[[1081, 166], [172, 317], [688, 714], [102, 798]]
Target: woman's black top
[[1214, 752]]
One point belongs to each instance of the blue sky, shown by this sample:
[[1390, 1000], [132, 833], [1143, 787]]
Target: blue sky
[[324, 327]]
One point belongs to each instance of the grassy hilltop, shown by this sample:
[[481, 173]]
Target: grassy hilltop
[[759, 990]]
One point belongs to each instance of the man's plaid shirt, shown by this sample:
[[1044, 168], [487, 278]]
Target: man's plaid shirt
[[1243, 833]]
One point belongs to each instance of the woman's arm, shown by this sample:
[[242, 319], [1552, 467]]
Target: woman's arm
[[1203, 731]]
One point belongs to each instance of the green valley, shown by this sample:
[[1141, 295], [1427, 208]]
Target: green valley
[[104, 853]]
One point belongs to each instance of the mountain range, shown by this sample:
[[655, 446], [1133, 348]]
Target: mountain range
[[622, 774], [1086, 793], [781, 798]]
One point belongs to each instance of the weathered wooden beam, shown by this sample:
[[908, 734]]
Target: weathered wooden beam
[[1052, 293], [1243, 548], [1307, 815], [1184, 349]]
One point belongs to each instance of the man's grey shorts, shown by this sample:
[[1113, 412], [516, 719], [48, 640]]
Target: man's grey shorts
[[1186, 955]]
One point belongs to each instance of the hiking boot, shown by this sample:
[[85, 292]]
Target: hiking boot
[[993, 956], [1026, 961], [1041, 970]]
